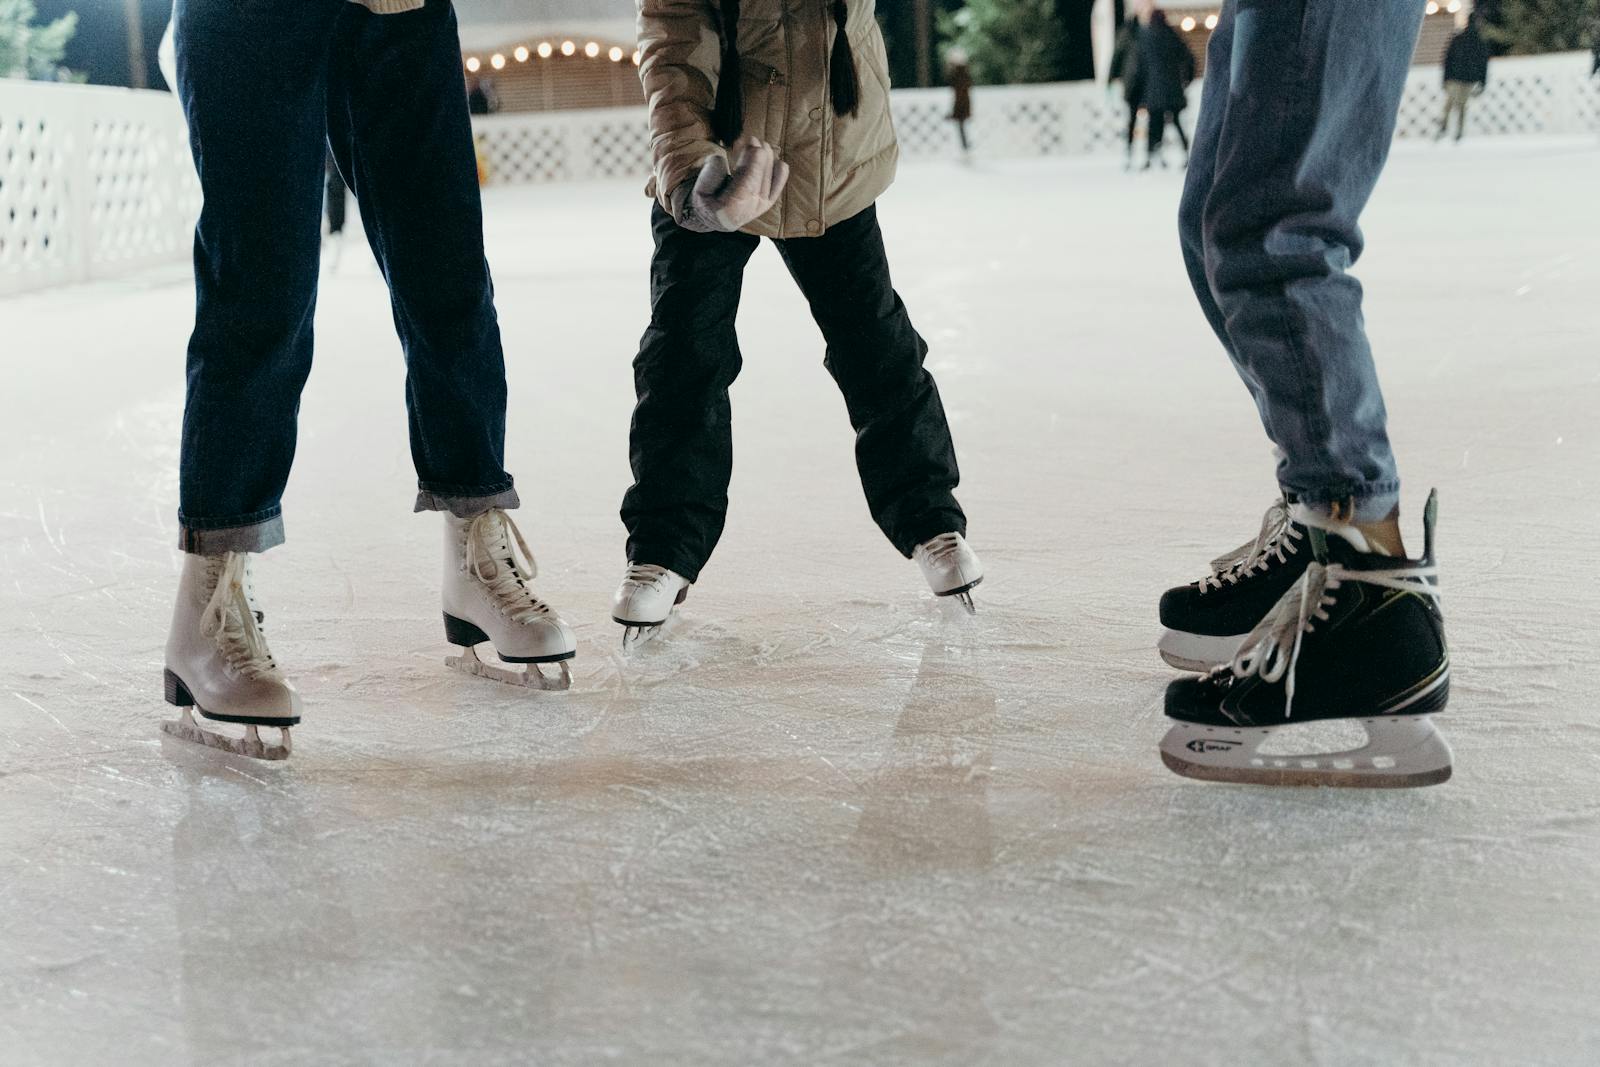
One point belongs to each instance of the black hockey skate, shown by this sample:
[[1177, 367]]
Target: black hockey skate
[[1360, 637], [1207, 620]]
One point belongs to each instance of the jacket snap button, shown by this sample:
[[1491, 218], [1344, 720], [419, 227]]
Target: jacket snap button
[[816, 114], [813, 226]]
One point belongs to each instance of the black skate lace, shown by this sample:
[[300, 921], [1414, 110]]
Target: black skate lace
[[646, 574], [1272, 649], [231, 619], [942, 547], [1277, 540], [491, 553]]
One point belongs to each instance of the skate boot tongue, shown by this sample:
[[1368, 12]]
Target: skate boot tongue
[[233, 621], [500, 559]]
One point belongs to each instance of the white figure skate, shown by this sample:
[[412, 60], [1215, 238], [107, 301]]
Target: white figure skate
[[488, 597], [218, 662], [645, 600], [950, 567]]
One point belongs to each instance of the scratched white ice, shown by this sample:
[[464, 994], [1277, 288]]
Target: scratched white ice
[[825, 822]]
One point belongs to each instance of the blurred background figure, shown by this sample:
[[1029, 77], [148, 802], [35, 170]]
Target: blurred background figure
[[958, 73], [334, 204], [1466, 72], [1125, 68], [1165, 69], [481, 97]]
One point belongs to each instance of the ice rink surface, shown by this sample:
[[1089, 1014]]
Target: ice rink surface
[[824, 820]]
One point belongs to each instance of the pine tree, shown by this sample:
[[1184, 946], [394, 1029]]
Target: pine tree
[[1008, 41], [1527, 27], [29, 51]]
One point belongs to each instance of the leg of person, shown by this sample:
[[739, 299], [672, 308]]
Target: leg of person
[[399, 127], [1463, 101], [1315, 90], [1206, 620], [680, 442], [1133, 129], [253, 82], [904, 452], [1155, 134], [1449, 106], [1183, 138], [336, 198]]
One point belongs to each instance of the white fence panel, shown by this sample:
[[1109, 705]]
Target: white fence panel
[[95, 182]]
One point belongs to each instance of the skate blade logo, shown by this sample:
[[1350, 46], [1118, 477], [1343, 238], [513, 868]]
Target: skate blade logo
[[1201, 744]]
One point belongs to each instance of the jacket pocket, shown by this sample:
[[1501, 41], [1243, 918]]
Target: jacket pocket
[[763, 92]]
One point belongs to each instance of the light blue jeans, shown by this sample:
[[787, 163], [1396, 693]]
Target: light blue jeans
[[1295, 124]]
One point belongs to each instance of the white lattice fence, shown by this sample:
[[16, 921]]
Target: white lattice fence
[[93, 182], [1527, 95], [1535, 95]]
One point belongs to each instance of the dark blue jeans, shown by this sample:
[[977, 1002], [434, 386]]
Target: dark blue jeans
[[1295, 125], [267, 85]]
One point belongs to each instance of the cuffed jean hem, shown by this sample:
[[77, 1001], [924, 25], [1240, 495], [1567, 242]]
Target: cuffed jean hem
[[249, 537], [1372, 504], [466, 506]]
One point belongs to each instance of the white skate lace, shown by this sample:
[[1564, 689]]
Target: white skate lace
[[1272, 649], [1275, 541], [940, 549], [504, 573], [646, 574], [230, 617]]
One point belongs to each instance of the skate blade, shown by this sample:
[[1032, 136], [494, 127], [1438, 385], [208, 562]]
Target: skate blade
[[634, 637], [530, 677], [1401, 753], [250, 745]]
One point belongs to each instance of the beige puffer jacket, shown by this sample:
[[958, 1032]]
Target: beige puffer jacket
[[838, 164]]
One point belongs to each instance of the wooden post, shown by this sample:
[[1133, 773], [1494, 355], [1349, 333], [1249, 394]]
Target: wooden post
[[137, 76], [923, 15]]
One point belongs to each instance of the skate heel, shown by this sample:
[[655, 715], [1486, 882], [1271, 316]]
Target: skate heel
[[176, 692], [461, 632]]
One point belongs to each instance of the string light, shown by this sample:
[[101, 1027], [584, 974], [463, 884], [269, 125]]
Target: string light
[[615, 54], [1433, 8], [546, 49], [567, 48], [497, 61], [636, 57], [473, 64], [1188, 25], [591, 49], [1455, 6], [1211, 22], [521, 53]]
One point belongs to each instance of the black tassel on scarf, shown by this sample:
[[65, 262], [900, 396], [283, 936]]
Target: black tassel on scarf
[[727, 119], [846, 88]]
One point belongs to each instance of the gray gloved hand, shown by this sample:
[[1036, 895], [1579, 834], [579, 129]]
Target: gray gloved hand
[[717, 201]]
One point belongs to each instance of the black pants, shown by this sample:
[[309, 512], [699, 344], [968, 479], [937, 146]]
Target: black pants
[[1158, 130], [681, 442], [336, 198]]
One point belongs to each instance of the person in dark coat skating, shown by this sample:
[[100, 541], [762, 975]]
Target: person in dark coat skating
[[1165, 69], [1466, 73], [1125, 68], [958, 73]]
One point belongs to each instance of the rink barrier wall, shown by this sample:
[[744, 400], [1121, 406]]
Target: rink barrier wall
[[96, 182], [1548, 95]]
